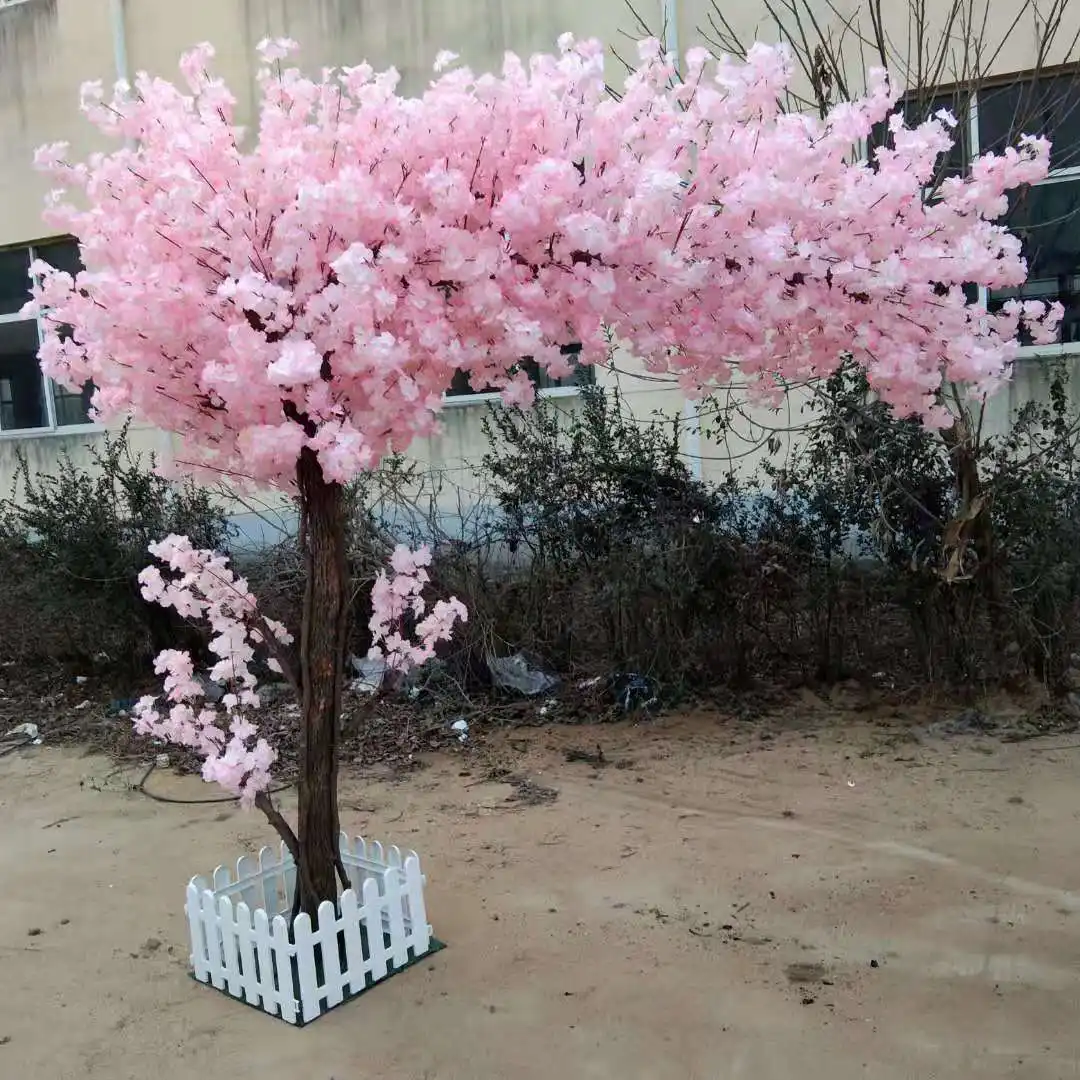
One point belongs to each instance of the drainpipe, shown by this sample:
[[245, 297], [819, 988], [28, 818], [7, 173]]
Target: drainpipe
[[691, 419], [669, 10], [119, 36]]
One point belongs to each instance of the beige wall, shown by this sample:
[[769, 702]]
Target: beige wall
[[48, 47]]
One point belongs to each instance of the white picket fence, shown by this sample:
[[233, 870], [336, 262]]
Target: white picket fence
[[240, 940]]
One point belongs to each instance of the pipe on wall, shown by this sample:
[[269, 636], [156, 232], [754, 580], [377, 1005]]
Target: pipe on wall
[[691, 418], [119, 37]]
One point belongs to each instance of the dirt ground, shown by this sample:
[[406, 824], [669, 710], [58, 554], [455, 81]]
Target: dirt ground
[[696, 905]]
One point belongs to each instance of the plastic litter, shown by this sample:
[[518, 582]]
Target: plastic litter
[[30, 732], [370, 674], [461, 727], [516, 673], [212, 691], [632, 691]]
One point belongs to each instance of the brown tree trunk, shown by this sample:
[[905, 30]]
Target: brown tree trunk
[[322, 660], [973, 526]]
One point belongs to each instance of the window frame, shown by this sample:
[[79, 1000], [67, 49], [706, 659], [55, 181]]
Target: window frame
[[461, 401], [1054, 176], [48, 384], [490, 397]]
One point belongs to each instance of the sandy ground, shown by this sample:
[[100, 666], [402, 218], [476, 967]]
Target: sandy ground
[[697, 907]]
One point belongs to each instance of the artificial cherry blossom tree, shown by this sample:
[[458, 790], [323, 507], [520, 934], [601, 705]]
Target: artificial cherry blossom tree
[[294, 304]]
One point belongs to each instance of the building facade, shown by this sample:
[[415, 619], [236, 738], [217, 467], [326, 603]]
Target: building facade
[[48, 48]]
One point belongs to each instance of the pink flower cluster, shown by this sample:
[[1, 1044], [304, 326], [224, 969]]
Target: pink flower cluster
[[320, 286], [395, 598], [203, 586]]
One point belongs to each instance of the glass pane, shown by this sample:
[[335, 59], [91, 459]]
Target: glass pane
[[1047, 220], [22, 397], [460, 386], [14, 279], [72, 406], [63, 254], [919, 108], [1047, 106]]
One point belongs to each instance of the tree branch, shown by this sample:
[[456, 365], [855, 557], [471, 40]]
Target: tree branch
[[281, 826]]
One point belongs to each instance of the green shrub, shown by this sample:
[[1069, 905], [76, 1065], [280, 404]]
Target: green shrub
[[75, 541]]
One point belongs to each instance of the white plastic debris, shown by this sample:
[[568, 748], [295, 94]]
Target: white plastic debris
[[462, 729], [83, 704], [80, 679], [516, 673], [588, 684], [33, 736], [212, 691], [162, 761], [370, 674]]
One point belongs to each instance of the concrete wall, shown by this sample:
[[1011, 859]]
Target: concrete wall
[[48, 47]]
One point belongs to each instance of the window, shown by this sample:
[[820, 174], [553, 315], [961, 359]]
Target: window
[[1045, 216], [29, 401], [461, 390], [921, 107]]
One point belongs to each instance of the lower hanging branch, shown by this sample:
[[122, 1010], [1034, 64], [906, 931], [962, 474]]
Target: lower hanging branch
[[264, 803]]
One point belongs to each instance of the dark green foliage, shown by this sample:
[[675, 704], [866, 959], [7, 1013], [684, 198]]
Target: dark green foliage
[[947, 557], [626, 561], [73, 545], [976, 538], [1034, 483]]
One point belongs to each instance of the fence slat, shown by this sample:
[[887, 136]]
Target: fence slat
[[355, 961], [348, 857], [222, 878], [416, 909], [193, 907], [229, 959], [327, 936], [213, 938], [395, 896], [282, 953], [267, 862], [393, 855], [267, 986], [245, 934], [247, 870], [288, 886], [372, 915], [304, 943]]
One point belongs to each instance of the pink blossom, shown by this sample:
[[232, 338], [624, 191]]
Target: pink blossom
[[394, 598], [204, 586], [320, 286], [298, 362]]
